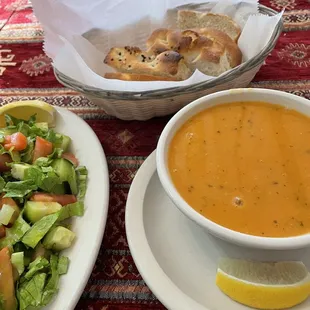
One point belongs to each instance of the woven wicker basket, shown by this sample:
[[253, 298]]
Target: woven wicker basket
[[149, 104]]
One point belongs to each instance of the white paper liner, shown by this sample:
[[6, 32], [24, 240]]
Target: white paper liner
[[116, 23]]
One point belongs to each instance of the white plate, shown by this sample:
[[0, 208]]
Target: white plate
[[89, 229], [175, 257]]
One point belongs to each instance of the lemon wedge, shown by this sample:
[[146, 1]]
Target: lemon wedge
[[24, 109], [260, 285]]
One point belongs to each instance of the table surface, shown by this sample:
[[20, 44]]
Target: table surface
[[26, 73]]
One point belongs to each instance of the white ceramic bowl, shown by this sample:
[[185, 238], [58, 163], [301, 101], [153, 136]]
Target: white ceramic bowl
[[270, 96]]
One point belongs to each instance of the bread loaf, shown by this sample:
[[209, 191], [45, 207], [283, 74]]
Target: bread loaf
[[132, 60], [209, 50], [136, 77], [233, 52], [208, 44], [191, 19]]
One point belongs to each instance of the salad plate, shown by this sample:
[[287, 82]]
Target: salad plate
[[176, 258], [53, 208]]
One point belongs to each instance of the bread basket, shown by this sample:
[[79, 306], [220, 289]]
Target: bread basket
[[149, 104]]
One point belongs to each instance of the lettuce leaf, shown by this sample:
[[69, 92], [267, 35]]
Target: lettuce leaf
[[19, 188], [23, 128], [72, 209], [44, 178], [2, 184], [63, 265], [51, 287], [82, 181], [49, 181], [14, 154], [30, 292], [52, 137], [39, 230], [26, 155], [34, 174], [43, 162], [57, 152], [38, 264], [15, 233], [12, 121]]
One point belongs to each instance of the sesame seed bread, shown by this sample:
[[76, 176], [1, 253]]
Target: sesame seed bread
[[132, 60]]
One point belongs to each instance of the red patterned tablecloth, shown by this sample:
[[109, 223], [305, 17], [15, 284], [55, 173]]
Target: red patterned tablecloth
[[26, 73]]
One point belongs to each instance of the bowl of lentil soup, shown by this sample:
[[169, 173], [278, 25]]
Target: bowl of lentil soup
[[237, 163]]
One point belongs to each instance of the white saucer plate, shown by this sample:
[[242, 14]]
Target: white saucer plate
[[175, 257]]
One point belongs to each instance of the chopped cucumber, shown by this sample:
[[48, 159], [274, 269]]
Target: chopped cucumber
[[36, 210], [6, 214], [58, 239], [17, 260]]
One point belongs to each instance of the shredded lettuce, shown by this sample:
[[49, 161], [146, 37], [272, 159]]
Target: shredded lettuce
[[57, 152], [33, 174], [44, 178], [39, 230], [63, 265], [19, 189], [72, 209], [26, 155], [49, 181], [38, 264], [13, 121], [35, 290], [82, 170], [7, 131], [43, 162], [14, 155], [47, 169], [82, 181], [2, 184], [15, 233], [52, 137], [23, 128], [30, 292], [51, 287]]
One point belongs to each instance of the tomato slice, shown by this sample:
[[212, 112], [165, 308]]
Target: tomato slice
[[42, 148], [7, 201], [62, 199], [7, 290], [17, 140], [5, 158], [71, 158]]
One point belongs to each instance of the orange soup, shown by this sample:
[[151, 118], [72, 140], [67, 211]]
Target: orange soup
[[246, 166]]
